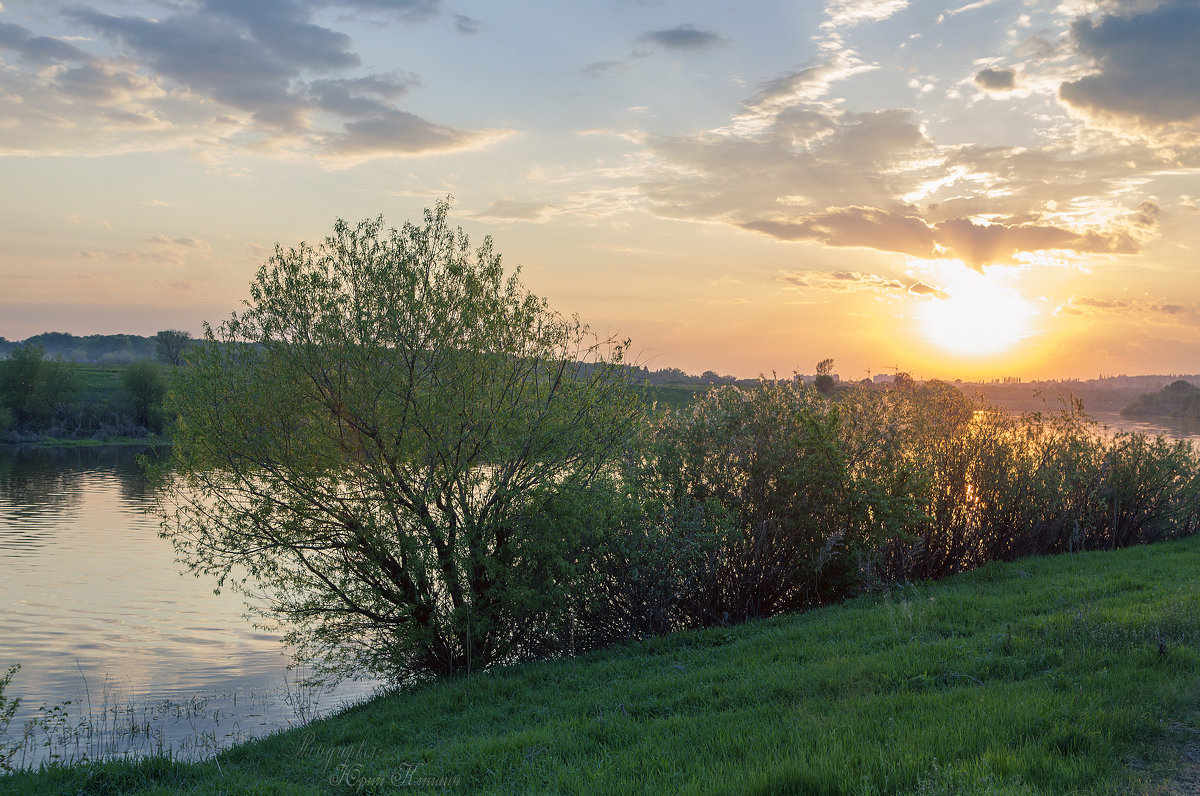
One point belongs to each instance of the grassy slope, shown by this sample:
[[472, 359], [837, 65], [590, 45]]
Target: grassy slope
[[1043, 676]]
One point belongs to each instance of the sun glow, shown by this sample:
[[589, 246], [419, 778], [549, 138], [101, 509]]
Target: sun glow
[[975, 315]]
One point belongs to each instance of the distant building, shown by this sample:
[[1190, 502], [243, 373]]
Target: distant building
[[883, 378]]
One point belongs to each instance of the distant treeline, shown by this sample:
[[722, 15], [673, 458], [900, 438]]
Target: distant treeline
[[677, 376], [1179, 400], [105, 349], [92, 348], [100, 386]]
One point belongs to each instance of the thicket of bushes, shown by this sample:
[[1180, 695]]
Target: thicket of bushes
[[752, 502], [40, 396]]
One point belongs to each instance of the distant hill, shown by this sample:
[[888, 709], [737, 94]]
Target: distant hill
[[102, 349], [1179, 400]]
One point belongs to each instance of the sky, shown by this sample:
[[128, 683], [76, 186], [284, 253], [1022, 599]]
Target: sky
[[972, 189]]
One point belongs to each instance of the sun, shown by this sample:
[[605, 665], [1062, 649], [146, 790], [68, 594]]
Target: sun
[[974, 315]]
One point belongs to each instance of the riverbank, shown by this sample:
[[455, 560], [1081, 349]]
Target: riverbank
[[89, 442], [1074, 673]]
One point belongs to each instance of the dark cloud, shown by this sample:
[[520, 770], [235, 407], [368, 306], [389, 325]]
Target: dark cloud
[[269, 60], [976, 245], [1147, 65], [208, 56], [38, 50], [99, 83], [396, 132], [283, 28], [684, 37], [922, 289], [855, 226], [996, 79], [361, 97], [465, 24]]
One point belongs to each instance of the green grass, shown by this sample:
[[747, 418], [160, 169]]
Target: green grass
[[104, 442], [674, 395], [1071, 674]]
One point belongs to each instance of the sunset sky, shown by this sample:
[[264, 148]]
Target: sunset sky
[[973, 189]]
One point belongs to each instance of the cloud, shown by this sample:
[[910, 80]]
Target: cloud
[[684, 37], [855, 226], [187, 243], [467, 25], [976, 245], [839, 281], [970, 7], [922, 289], [397, 132], [1146, 66], [361, 96], [276, 79], [848, 13], [996, 79], [516, 210], [210, 55], [409, 10], [1148, 309], [602, 68], [796, 166], [38, 50], [804, 85]]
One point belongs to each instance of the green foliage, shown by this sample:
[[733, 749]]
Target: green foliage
[[172, 344], [19, 378], [398, 445], [824, 381], [798, 519], [93, 348], [1003, 487], [37, 390], [8, 709], [43, 398], [145, 388], [1178, 399]]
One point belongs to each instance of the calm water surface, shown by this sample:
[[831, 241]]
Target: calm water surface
[[1175, 429], [94, 608]]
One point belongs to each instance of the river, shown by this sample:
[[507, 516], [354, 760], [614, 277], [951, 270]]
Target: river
[[94, 609]]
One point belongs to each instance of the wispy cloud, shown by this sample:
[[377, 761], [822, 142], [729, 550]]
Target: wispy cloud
[[848, 13], [1144, 308], [840, 281], [684, 37]]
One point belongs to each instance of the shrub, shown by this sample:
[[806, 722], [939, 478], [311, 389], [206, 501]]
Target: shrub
[[145, 388], [398, 444]]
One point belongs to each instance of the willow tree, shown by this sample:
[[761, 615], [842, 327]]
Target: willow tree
[[393, 447]]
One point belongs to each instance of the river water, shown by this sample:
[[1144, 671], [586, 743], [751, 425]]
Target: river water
[[94, 609]]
